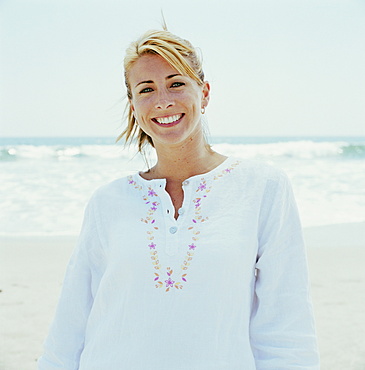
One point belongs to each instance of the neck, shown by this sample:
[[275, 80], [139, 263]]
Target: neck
[[178, 162]]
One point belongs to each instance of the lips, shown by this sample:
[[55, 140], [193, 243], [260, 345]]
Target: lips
[[168, 120]]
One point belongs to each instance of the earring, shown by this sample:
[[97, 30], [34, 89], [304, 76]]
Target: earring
[[203, 110]]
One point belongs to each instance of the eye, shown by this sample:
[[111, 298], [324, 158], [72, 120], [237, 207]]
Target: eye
[[145, 90], [177, 84]]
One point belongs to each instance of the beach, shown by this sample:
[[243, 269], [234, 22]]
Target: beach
[[32, 269]]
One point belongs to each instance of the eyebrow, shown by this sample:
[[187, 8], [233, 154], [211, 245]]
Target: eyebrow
[[150, 81]]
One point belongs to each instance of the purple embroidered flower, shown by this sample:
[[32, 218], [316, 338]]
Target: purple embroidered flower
[[153, 208], [151, 193], [152, 246], [131, 182], [192, 246], [228, 170], [169, 283], [197, 202], [202, 186]]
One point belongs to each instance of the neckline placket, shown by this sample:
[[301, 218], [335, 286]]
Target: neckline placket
[[196, 190]]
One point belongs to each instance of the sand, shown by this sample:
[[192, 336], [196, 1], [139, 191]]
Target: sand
[[32, 269]]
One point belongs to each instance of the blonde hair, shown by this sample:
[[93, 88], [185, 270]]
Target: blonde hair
[[179, 53]]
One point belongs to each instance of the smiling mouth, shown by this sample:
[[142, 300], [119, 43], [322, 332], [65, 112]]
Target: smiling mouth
[[168, 120]]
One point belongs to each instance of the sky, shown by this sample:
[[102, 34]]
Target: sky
[[276, 68]]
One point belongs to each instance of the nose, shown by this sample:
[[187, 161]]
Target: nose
[[164, 100]]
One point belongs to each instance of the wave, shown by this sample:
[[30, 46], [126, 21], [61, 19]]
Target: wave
[[61, 153], [7, 154], [353, 151], [304, 149], [295, 149]]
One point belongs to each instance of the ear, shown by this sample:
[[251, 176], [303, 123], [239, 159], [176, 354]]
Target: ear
[[206, 94]]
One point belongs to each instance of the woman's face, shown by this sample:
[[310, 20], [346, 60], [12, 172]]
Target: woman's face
[[166, 104]]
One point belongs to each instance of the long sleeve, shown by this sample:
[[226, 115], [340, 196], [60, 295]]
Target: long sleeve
[[65, 342], [282, 326]]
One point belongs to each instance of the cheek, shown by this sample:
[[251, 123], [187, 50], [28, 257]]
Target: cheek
[[141, 105], [136, 109], [193, 99], [141, 114]]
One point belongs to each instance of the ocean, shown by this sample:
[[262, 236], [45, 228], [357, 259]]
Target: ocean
[[45, 183]]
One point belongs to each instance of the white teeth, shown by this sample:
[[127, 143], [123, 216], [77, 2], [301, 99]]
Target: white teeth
[[170, 119]]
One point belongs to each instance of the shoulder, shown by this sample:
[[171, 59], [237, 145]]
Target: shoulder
[[260, 172], [111, 192], [271, 184]]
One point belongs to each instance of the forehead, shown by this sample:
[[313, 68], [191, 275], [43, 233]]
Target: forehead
[[150, 66]]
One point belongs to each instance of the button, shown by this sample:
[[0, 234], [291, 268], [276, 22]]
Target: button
[[173, 229], [181, 211], [186, 183]]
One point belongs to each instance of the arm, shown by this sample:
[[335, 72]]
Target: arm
[[282, 326], [65, 341]]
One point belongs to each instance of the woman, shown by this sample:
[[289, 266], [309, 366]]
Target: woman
[[197, 263]]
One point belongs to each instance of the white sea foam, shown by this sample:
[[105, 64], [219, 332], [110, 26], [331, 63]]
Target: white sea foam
[[304, 149], [299, 149]]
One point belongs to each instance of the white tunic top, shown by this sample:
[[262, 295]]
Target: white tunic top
[[223, 287]]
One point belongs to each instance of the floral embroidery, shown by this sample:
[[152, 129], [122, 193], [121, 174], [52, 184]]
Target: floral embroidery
[[203, 189], [202, 186], [132, 182], [151, 193], [169, 283]]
